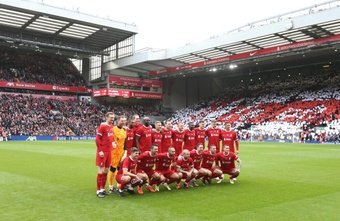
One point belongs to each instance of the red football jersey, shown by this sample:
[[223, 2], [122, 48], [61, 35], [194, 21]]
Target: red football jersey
[[208, 159], [200, 136], [227, 162], [104, 137], [146, 162], [189, 140], [130, 136], [213, 135], [229, 138], [129, 165], [197, 158], [166, 140], [164, 162], [185, 165], [177, 141], [157, 139], [145, 140], [135, 129]]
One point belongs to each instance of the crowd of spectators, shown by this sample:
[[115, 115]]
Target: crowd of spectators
[[27, 67], [23, 114], [275, 104]]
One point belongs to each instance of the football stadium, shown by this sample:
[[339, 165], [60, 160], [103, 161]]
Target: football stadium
[[240, 126]]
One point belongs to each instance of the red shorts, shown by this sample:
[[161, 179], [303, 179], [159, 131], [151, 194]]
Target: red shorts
[[166, 173], [229, 171], [103, 161], [150, 173]]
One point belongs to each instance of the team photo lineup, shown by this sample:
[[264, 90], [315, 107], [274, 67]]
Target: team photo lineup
[[134, 154]]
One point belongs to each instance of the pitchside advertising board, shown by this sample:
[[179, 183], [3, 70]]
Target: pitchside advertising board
[[45, 138]]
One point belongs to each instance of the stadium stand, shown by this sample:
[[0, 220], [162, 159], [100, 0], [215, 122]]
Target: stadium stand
[[23, 114], [298, 101], [37, 68]]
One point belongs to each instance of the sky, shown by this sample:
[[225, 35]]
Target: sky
[[171, 24]]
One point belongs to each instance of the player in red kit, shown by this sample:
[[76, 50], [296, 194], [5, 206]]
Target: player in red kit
[[185, 165], [178, 138], [189, 138], [130, 135], [229, 137], [165, 166], [143, 136], [200, 133], [156, 135], [213, 134], [209, 157], [167, 137], [104, 140], [226, 162], [135, 121], [127, 174], [146, 164], [197, 156]]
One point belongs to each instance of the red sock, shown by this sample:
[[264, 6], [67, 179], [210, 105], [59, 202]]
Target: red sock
[[99, 181], [104, 177], [122, 185]]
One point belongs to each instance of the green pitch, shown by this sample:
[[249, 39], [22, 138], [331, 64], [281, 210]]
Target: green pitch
[[56, 181]]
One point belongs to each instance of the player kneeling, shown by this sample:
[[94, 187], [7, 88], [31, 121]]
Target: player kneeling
[[145, 166], [226, 162], [164, 165], [197, 156], [127, 174], [209, 157], [185, 166]]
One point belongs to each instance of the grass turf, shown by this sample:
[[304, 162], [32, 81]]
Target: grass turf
[[56, 181]]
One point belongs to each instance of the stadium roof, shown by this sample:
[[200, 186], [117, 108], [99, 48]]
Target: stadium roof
[[306, 27], [47, 26]]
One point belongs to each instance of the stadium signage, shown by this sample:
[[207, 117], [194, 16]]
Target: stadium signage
[[141, 95], [125, 93], [266, 51], [44, 87], [54, 97], [135, 82]]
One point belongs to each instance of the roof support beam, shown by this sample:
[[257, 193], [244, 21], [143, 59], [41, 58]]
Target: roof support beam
[[200, 56], [251, 44], [63, 28], [30, 21], [311, 34], [220, 49], [322, 29], [284, 37]]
